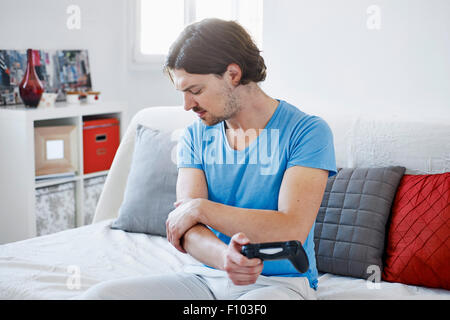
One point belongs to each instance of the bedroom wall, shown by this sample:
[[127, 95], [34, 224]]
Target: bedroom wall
[[104, 32], [42, 25], [322, 57], [320, 54]]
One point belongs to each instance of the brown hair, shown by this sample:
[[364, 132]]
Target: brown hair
[[210, 45]]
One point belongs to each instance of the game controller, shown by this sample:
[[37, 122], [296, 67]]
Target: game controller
[[292, 250]]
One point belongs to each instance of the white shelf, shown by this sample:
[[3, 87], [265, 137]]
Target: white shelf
[[17, 167], [95, 174], [52, 182], [61, 110]]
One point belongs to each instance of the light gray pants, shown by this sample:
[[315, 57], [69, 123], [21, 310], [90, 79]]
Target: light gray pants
[[200, 283]]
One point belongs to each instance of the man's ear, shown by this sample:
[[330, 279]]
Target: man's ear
[[234, 73]]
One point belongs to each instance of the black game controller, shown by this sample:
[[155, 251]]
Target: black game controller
[[292, 250]]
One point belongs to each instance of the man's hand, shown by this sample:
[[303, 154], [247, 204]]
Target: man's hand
[[180, 220], [240, 269]]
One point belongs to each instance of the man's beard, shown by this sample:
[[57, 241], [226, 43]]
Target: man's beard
[[232, 107]]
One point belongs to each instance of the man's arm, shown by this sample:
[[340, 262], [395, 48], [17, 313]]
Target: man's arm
[[201, 243], [299, 200]]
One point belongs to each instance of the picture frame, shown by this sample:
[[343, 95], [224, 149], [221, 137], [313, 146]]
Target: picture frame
[[59, 71], [55, 151]]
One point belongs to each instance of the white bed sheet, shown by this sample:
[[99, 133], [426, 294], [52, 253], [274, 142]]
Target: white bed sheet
[[65, 264], [47, 267], [333, 287]]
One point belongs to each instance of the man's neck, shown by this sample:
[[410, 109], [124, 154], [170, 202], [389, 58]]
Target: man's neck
[[256, 110]]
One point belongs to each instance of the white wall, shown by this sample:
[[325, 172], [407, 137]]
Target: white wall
[[42, 25], [320, 54], [322, 57], [147, 85]]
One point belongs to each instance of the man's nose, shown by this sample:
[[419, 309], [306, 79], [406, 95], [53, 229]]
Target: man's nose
[[189, 101]]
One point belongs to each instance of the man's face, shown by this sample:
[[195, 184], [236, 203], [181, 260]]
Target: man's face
[[209, 96]]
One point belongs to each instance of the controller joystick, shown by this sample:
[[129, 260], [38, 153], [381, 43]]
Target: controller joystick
[[291, 250]]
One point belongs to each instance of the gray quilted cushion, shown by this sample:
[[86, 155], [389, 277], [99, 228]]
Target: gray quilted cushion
[[351, 223]]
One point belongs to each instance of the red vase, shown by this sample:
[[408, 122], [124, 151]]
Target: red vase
[[30, 89]]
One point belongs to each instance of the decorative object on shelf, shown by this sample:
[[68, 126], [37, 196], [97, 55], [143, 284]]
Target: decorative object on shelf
[[82, 96], [101, 139], [93, 97], [58, 71], [55, 151], [47, 100], [73, 97], [31, 88]]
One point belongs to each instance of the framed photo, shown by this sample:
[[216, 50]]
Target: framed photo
[[58, 70], [55, 151]]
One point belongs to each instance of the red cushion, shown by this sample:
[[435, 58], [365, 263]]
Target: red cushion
[[418, 244]]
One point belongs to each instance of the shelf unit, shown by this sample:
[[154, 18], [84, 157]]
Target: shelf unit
[[17, 161]]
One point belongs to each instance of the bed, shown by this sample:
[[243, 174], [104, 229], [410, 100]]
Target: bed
[[65, 264]]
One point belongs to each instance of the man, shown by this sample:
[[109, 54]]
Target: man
[[217, 67], [251, 169]]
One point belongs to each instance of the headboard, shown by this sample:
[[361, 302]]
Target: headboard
[[421, 145]]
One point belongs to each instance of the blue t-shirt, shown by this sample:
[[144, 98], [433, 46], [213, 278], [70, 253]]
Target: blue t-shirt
[[251, 178]]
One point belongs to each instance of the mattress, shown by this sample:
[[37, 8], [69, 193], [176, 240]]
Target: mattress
[[65, 264]]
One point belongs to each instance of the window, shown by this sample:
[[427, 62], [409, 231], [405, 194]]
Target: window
[[158, 23]]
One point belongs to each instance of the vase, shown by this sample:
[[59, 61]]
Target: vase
[[31, 88]]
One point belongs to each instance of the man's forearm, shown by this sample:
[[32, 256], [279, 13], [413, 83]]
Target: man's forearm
[[258, 225], [203, 245]]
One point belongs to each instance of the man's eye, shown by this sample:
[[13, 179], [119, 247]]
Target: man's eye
[[196, 92]]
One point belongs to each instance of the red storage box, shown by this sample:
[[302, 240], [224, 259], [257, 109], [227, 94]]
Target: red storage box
[[101, 139]]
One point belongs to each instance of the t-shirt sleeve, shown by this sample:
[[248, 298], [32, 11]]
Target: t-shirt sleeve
[[313, 146], [188, 151]]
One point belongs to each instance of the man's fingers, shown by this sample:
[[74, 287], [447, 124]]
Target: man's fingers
[[243, 275], [235, 255], [237, 241], [239, 259], [240, 269], [174, 238], [177, 203], [180, 202], [234, 268], [178, 246], [240, 239]]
